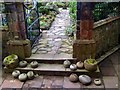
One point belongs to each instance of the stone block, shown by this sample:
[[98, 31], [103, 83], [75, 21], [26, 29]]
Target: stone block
[[86, 27], [83, 49], [22, 48]]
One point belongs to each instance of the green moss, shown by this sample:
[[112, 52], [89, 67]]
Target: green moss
[[9, 59], [91, 61]]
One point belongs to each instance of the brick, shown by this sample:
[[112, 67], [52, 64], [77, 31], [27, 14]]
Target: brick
[[111, 82], [33, 84], [47, 82], [36, 83], [25, 86], [70, 85], [10, 82], [58, 82]]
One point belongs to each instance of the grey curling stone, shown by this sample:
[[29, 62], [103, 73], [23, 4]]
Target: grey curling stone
[[66, 63], [73, 67], [97, 82], [85, 79], [22, 77], [23, 63], [15, 73], [34, 64], [30, 75]]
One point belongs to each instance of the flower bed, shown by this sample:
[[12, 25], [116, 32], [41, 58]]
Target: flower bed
[[48, 11]]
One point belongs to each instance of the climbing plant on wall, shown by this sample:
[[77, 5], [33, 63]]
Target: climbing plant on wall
[[103, 10]]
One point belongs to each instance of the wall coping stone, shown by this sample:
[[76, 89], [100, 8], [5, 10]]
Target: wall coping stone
[[105, 21]]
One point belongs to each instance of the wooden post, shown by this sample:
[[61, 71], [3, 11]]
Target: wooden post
[[84, 45]]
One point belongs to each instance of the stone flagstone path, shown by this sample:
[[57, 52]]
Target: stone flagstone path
[[54, 42]]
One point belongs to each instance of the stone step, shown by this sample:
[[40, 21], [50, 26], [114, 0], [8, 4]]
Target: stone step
[[51, 61], [55, 69]]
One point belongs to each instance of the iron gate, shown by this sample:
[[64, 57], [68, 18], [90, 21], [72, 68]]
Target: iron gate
[[32, 20]]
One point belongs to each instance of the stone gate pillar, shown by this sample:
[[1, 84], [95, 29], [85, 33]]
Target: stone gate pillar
[[84, 45], [15, 17], [18, 43]]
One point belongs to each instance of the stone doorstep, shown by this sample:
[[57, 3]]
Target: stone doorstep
[[55, 69], [53, 60]]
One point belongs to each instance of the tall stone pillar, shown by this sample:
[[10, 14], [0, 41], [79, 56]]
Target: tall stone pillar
[[18, 43], [84, 45], [21, 19], [16, 22]]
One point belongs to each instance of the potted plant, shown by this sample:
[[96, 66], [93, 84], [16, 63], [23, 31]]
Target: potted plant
[[11, 61], [90, 64]]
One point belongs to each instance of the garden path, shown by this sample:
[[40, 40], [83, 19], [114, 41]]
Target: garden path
[[54, 42]]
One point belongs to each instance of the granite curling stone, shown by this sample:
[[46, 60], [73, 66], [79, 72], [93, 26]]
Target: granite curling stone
[[85, 79], [73, 77], [66, 63]]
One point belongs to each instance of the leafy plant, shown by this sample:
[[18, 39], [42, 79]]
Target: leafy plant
[[42, 23], [70, 30], [103, 10], [91, 61], [72, 8]]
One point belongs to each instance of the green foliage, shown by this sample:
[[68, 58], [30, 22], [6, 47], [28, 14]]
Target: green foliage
[[9, 59], [42, 23], [45, 8], [70, 30], [72, 8], [91, 61], [103, 10], [48, 11], [72, 11]]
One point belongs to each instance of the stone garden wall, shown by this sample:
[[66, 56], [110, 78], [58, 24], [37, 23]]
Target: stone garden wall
[[106, 34]]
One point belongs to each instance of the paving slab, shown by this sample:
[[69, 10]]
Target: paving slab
[[106, 63], [12, 83], [108, 71], [35, 83], [70, 85], [47, 82], [111, 82], [58, 82]]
